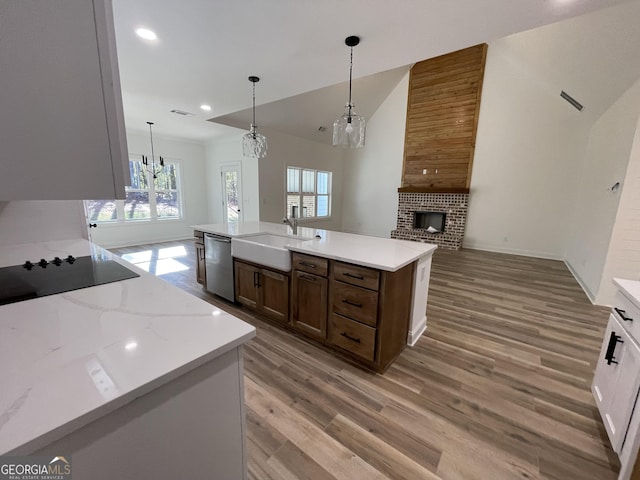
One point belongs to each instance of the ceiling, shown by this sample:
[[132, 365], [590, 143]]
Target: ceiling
[[206, 50], [303, 115], [592, 57]]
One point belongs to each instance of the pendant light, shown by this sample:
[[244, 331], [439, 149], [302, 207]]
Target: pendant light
[[254, 144], [153, 169], [348, 130]]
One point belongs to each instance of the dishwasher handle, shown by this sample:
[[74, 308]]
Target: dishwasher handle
[[217, 238]]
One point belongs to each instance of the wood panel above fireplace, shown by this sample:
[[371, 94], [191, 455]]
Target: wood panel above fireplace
[[442, 119]]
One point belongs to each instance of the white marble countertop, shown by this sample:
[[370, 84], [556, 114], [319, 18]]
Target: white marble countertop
[[630, 289], [70, 358], [376, 252]]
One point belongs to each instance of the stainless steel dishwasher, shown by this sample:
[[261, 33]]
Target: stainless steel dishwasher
[[219, 265]]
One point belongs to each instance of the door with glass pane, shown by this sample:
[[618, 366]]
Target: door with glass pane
[[231, 193]]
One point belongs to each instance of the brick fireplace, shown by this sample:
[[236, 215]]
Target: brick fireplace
[[453, 205]]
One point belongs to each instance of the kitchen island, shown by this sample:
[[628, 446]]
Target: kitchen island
[[392, 262], [131, 379]]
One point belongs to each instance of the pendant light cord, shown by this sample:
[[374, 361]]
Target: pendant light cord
[[254, 108], [153, 157], [350, 79]]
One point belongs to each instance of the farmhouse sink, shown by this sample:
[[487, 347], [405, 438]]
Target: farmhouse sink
[[266, 249]]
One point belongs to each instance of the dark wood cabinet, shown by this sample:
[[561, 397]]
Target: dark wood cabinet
[[273, 289], [263, 290], [201, 277], [246, 278], [355, 302], [309, 298], [370, 312], [361, 312], [309, 304], [353, 336]]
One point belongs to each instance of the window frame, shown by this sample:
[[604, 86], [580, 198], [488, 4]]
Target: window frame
[[152, 192], [301, 194]]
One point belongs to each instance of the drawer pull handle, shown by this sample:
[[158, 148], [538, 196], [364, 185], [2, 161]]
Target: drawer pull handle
[[345, 335], [348, 302], [623, 315], [308, 277], [305, 264], [357, 277], [611, 348]]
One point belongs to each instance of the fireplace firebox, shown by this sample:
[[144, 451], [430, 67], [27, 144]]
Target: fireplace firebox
[[434, 222]]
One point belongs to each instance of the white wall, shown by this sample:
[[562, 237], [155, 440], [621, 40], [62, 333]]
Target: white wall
[[623, 259], [373, 174], [41, 220], [228, 150], [594, 216], [528, 149], [191, 157], [287, 150]]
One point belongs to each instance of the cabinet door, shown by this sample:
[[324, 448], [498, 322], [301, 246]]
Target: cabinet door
[[247, 281], [309, 304], [274, 295], [616, 382], [64, 136]]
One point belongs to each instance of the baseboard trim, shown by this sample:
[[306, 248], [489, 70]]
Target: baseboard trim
[[156, 240], [416, 332], [584, 287], [524, 253]]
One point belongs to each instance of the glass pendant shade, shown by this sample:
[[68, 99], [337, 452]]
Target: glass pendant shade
[[254, 144], [349, 129]]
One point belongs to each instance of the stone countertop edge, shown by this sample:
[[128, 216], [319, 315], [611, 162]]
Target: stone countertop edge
[[119, 402], [345, 247], [61, 334]]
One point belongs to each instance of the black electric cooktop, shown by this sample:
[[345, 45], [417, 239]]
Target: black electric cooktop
[[48, 277]]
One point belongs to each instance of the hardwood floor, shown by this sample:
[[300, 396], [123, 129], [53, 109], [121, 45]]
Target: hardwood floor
[[497, 388]]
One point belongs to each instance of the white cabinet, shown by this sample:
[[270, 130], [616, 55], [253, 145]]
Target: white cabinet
[[616, 381], [62, 132], [191, 427]]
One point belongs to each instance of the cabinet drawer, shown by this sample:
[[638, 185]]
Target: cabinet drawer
[[310, 264], [355, 275], [352, 336], [355, 302], [627, 314], [199, 236]]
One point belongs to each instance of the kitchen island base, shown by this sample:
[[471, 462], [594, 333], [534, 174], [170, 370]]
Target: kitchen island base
[[191, 427], [359, 312]]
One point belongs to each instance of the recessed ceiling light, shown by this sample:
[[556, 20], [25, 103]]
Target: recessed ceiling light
[[146, 34], [205, 107]]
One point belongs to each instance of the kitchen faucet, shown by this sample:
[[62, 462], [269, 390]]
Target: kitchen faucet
[[292, 221]]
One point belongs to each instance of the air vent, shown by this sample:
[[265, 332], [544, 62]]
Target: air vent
[[577, 105], [181, 112]]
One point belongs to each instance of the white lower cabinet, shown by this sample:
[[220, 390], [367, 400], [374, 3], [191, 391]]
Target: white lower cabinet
[[616, 381]]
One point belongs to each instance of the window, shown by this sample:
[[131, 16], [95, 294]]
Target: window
[[310, 191], [145, 199]]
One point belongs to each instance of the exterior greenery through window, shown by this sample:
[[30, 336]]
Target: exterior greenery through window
[[310, 191], [146, 198]]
